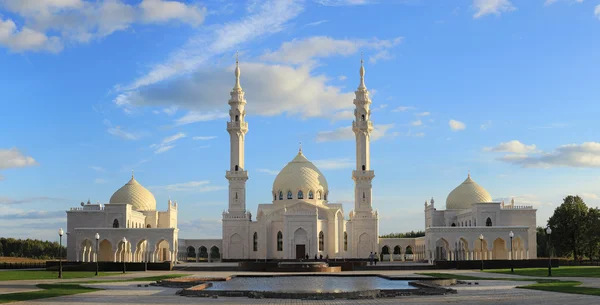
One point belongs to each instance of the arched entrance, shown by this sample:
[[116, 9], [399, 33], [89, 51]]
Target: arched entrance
[[442, 250], [203, 253], [106, 253], [364, 246], [86, 251], [215, 255], [236, 246], [191, 254], [300, 243], [499, 250]]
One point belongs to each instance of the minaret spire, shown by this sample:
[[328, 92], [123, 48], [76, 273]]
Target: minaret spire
[[362, 74], [132, 174], [237, 73], [300, 147]]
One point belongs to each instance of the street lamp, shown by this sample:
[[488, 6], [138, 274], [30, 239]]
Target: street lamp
[[481, 253], [97, 239], [511, 235], [60, 234], [549, 231], [124, 247]]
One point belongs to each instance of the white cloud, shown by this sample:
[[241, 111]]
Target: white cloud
[[402, 108], [590, 196], [381, 55], [195, 116], [170, 110], [26, 39], [426, 113], [167, 143], [548, 2], [597, 11], [513, 146], [117, 131], [14, 158], [158, 11], [316, 23], [497, 7], [343, 115], [82, 21], [98, 168], [333, 164], [265, 18], [485, 125], [204, 138], [456, 125], [99, 181], [585, 155], [267, 171], [192, 186], [417, 123], [346, 133], [304, 51], [342, 2], [342, 77]]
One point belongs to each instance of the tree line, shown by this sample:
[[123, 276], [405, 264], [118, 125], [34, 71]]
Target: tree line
[[411, 234], [32, 248], [575, 231]]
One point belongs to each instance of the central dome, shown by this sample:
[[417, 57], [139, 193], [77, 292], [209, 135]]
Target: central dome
[[467, 193], [300, 175], [135, 194]]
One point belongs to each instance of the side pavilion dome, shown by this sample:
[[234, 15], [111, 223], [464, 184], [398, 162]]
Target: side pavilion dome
[[467, 193], [302, 179], [135, 194]]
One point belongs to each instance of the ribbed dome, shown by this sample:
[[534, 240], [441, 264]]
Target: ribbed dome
[[136, 195], [300, 175], [467, 193]]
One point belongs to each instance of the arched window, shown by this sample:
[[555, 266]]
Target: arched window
[[488, 222], [397, 250], [289, 195], [300, 195], [364, 167], [321, 241], [280, 195], [453, 225], [364, 195], [362, 117], [279, 241], [237, 168], [474, 222], [469, 223], [115, 223], [311, 195], [345, 241], [236, 195], [255, 242], [319, 195], [274, 196], [237, 118], [148, 226], [325, 197]]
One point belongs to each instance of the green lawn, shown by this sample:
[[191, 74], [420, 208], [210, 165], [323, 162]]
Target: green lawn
[[564, 287], [472, 278], [564, 271], [45, 275], [139, 279], [50, 291]]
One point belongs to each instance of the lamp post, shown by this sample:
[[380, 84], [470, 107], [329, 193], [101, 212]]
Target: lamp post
[[60, 234], [549, 231], [481, 253], [124, 247], [511, 235], [97, 239]]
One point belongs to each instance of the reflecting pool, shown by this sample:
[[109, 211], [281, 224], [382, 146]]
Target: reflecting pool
[[310, 284]]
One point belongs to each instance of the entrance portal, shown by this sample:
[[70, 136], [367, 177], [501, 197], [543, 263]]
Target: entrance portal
[[300, 251]]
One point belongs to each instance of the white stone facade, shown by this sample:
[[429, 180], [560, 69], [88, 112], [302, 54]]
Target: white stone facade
[[151, 236]]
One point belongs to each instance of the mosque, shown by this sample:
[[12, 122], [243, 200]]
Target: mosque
[[300, 220]]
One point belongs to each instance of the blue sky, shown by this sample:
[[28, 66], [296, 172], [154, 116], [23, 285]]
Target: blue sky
[[92, 90]]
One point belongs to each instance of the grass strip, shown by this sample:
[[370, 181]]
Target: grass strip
[[49, 291], [572, 287], [47, 275], [137, 279], [564, 271]]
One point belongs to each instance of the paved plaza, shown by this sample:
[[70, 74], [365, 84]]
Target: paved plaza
[[487, 292]]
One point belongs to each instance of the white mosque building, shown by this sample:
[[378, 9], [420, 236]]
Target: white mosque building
[[300, 220]]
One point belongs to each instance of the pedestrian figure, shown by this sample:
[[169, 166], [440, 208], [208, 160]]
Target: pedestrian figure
[[321, 256], [375, 258], [371, 258]]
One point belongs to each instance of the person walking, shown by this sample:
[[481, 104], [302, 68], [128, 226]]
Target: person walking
[[375, 258], [371, 259]]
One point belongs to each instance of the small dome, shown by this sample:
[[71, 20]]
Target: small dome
[[300, 175], [136, 195], [467, 193]]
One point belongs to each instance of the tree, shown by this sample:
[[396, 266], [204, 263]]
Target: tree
[[568, 228], [542, 242], [411, 234], [592, 224]]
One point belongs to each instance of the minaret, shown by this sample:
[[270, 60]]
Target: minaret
[[362, 127], [237, 128]]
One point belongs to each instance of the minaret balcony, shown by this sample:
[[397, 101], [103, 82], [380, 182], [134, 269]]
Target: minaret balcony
[[362, 125], [237, 126], [363, 175], [237, 175]]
